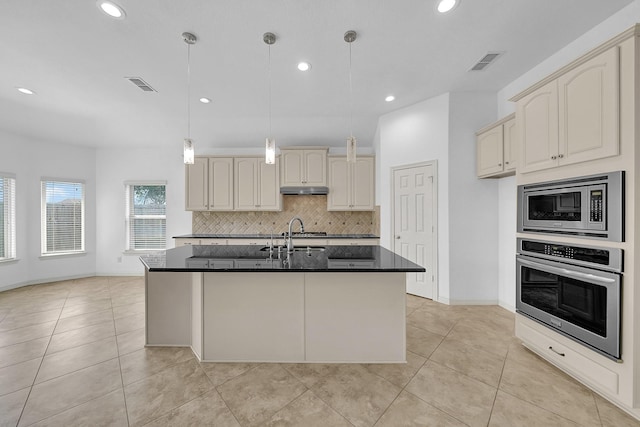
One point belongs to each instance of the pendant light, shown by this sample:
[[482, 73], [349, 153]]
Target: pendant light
[[189, 39], [270, 143], [350, 37]]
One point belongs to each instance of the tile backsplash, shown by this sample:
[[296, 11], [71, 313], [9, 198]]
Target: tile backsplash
[[312, 210]]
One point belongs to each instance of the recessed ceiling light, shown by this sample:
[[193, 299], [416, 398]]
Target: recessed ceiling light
[[205, 100], [445, 6], [25, 91], [390, 98], [111, 9], [304, 66]]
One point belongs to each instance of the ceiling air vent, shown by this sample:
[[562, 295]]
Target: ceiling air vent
[[141, 84], [489, 58]]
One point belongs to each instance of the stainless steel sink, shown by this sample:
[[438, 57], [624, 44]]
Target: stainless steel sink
[[295, 249]]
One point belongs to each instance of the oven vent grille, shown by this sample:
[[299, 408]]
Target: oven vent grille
[[486, 60], [139, 82]]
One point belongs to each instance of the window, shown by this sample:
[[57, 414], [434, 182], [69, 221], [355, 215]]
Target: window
[[146, 218], [7, 217], [62, 217]]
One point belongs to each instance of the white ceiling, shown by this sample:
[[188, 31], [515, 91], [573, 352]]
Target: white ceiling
[[76, 58]]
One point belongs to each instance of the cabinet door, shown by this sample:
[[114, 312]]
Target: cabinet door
[[537, 127], [510, 145], [292, 162], [339, 185], [490, 151], [196, 185], [362, 184], [246, 183], [315, 168], [588, 105], [269, 197], [221, 183]]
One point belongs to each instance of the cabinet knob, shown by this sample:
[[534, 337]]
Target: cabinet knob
[[506, 163], [499, 164], [560, 156], [398, 237], [554, 157]]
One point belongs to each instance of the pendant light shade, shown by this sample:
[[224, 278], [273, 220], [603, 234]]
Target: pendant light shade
[[189, 151], [270, 144], [350, 36]]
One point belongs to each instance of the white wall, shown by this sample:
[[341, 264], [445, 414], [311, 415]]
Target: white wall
[[473, 214], [113, 168], [418, 133], [30, 160], [507, 243]]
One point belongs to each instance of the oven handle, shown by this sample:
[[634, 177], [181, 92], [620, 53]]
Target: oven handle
[[552, 269]]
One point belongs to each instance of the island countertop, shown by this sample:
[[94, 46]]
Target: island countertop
[[245, 258], [266, 237]]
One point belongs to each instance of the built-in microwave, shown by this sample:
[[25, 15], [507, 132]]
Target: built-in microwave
[[589, 206]]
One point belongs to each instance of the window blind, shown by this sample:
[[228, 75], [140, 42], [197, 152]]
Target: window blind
[[146, 217], [62, 217], [7, 217]]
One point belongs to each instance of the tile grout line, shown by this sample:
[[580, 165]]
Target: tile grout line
[[124, 396]]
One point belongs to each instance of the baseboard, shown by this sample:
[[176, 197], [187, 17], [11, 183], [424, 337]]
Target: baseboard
[[507, 306], [41, 281], [473, 302], [136, 274]]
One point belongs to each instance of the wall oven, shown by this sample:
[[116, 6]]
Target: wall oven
[[575, 290], [589, 206]]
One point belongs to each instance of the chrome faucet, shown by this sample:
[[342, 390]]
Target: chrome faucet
[[290, 236]]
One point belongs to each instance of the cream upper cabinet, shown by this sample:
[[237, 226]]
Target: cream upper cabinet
[[209, 184], [496, 147], [304, 167], [351, 185], [256, 185], [197, 185], [573, 118]]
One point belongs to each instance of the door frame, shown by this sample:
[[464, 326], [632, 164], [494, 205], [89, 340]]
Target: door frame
[[434, 204]]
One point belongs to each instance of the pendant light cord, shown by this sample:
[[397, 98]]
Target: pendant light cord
[[269, 72], [350, 95], [188, 91]]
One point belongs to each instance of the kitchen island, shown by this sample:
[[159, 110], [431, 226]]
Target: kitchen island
[[247, 303]]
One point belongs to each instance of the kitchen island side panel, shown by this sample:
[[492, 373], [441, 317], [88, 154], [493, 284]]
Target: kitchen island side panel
[[168, 308], [355, 317]]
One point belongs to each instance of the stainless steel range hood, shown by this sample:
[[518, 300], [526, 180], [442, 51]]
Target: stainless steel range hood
[[299, 191]]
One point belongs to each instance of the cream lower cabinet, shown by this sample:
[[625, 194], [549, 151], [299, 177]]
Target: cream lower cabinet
[[306, 167], [256, 185], [496, 149], [573, 118], [209, 184], [351, 185]]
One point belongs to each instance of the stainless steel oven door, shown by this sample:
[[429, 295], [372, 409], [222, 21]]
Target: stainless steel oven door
[[581, 303]]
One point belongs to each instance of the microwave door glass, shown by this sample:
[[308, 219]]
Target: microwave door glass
[[556, 207]]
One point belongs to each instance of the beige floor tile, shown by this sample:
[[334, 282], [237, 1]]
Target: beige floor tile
[[165, 391], [11, 407], [21, 352], [131, 341], [58, 395], [521, 354], [258, 394], [422, 342], [92, 307], [469, 360], [75, 358], [28, 333], [118, 300], [310, 411], [128, 310], [83, 320], [90, 297], [460, 396], [81, 336], [149, 361], [509, 411], [220, 373], [105, 411], [549, 388], [36, 305], [482, 339], [398, 373], [612, 416], [129, 323], [206, 410], [356, 394], [435, 321], [14, 322], [310, 373], [18, 376], [409, 411]]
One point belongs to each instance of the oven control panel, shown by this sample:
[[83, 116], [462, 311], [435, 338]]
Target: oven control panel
[[610, 258]]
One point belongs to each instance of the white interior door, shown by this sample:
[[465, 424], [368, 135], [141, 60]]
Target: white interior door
[[414, 207]]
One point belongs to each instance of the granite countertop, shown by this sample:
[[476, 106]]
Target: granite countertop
[[245, 258], [275, 236]]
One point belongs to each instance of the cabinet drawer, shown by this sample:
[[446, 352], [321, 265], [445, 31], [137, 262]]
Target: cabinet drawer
[[185, 242], [353, 242], [566, 358], [213, 242]]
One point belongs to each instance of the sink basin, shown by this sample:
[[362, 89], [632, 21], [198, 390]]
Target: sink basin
[[295, 249]]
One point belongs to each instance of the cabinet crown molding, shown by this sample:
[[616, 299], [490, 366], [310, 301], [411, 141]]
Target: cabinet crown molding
[[494, 124]]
